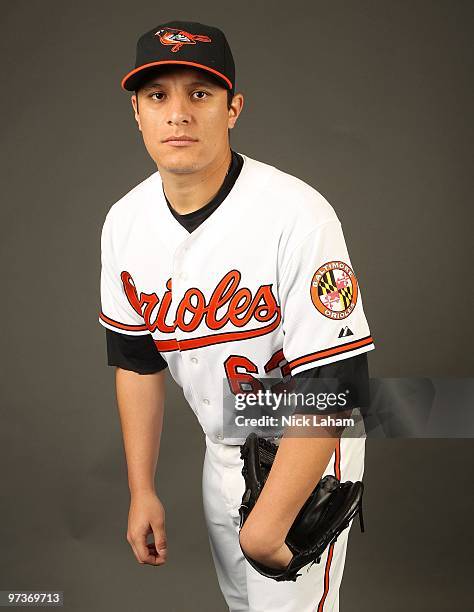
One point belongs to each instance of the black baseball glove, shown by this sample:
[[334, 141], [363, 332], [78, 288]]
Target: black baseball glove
[[326, 513]]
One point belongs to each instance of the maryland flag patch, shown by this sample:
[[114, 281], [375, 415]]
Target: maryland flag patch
[[334, 290]]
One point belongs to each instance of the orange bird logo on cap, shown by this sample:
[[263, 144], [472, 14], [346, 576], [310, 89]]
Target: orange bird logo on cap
[[178, 38]]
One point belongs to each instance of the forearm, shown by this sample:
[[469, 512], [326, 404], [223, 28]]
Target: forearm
[[140, 400], [297, 468], [302, 458]]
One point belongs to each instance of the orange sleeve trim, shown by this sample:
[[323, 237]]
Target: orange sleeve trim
[[119, 325], [336, 350]]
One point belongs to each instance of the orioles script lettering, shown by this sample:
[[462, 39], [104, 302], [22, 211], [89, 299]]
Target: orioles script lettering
[[228, 303]]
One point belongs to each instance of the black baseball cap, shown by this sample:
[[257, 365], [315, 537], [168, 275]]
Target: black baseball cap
[[183, 42]]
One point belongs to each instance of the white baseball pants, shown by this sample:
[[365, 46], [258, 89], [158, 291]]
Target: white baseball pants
[[244, 589]]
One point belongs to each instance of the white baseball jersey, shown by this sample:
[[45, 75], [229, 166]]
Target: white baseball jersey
[[263, 287]]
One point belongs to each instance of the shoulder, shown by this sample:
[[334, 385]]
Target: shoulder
[[128, 208], [286, 198]]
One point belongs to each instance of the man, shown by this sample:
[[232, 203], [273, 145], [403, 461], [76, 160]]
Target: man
[[220, 266]]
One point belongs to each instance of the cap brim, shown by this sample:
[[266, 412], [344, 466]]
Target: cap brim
[[131, 81]]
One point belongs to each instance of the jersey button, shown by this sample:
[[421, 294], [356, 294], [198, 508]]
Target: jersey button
[[194, 360], [206, 401], [219, 437]]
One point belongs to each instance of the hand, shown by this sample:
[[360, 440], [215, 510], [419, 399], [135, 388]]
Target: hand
[[147, 516]]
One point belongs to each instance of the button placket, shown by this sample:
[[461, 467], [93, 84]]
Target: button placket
[[181, 274]]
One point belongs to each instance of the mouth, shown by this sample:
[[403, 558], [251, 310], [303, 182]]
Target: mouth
[[179, 141]]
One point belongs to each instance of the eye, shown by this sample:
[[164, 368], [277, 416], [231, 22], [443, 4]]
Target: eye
[[200, 97], [157, 93]]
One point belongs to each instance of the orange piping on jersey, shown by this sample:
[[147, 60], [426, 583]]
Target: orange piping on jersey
[[135, 70], [337, 460], [118, 325], [166, 345], [194, 343], [337, 474], [337, 350], [326, 578]]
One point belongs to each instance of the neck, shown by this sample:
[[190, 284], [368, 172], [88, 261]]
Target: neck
[[190, 192]]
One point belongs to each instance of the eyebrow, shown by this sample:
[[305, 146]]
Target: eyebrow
[[204, 83]]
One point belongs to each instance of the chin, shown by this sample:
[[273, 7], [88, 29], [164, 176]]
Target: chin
[[179, 162]]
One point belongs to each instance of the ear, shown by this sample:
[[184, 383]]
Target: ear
[[134, 100], [235, 109]]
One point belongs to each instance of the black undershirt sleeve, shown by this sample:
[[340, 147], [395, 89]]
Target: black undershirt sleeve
[[351, 373], [136, 353]]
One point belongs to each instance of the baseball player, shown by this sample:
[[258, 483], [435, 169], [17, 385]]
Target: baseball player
[[218, 265]]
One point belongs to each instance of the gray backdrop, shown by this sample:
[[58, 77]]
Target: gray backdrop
[[369, 102]]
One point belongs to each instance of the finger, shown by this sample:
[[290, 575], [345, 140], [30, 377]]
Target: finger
[[134, 550], [161, 554], [153, 557], [158, 560], [160, 544], [140, 548], [161, 557]]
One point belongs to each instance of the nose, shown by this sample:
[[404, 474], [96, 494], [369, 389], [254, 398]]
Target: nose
[[178, 112]]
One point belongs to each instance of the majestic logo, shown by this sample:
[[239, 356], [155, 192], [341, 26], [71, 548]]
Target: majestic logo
[[345, 331], [228, 303], [334, 290], [178, 38]]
